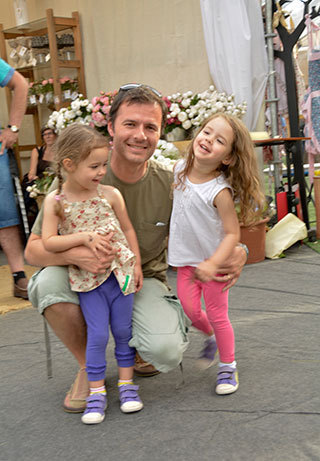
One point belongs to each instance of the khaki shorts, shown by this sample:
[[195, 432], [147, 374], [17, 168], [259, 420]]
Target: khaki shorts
[[159, 325]]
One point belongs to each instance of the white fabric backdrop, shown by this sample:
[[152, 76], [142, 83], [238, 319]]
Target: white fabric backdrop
[[234, 37]]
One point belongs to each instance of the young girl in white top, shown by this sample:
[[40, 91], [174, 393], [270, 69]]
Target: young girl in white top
[[220, 168], [81, 212]]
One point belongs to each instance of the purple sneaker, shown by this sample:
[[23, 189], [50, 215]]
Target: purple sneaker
[[129, 398], [227, 380], [94, 412], [208, 354]]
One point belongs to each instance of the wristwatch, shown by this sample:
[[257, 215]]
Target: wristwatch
[[13, 128]]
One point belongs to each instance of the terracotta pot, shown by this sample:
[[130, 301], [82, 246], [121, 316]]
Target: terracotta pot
[[255, 238]]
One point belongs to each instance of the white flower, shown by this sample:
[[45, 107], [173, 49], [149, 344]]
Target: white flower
[[182, 116], [186, 125], [75, 105], [186, 102], [33, 194]]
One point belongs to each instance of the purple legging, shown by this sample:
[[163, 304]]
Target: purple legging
[[215, 317], [102, 306]]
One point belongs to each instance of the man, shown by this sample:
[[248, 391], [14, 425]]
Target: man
[[137, 117], [9, 219]]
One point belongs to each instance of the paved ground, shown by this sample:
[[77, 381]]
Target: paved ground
[[275, 414]]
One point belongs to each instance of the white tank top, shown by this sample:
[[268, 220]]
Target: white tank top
[[196, 229]]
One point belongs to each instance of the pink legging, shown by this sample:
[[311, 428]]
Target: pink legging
[[216, 315]]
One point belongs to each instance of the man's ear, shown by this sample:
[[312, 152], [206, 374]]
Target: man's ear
[[110, 128], [68, 165]]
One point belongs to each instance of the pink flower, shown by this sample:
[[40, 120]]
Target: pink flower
[[105, 109], [64, 79], [50, 80], [99, 119], [94, 100], [105, 101], [96, 108], [44, 82]]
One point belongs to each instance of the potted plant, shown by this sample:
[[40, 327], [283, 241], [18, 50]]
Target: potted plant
[[254, 235]]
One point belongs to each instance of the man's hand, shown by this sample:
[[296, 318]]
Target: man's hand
[[84, 258], [205, 271], [138, 277], [7, 138], [232, 268]]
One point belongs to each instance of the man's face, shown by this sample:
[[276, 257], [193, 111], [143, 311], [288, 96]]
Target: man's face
[[136, 132]]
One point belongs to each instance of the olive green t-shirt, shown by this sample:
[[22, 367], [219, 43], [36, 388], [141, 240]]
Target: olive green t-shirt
[[149, 206]]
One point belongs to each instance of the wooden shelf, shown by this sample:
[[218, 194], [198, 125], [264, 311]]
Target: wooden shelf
[[49, 25]]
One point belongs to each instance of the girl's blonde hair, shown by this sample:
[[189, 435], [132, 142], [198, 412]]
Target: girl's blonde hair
[[242, 173], [75, 142]]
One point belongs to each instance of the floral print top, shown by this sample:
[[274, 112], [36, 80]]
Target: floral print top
[[96, 214]]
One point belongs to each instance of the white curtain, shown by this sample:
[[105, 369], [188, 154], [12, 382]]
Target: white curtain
[[234, 37]]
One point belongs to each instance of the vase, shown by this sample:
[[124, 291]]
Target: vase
[[177, 134], [254, 237]]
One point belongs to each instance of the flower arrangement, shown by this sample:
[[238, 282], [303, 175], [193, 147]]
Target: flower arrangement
[[42, 90], [101, 108], [188, 110], [79, 111], [166, 153], [41, 185]]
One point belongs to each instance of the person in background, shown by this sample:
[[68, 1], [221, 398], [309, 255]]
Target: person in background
[[42, 156], [137, 119], [220, 167], [40, 161], [10, 239]]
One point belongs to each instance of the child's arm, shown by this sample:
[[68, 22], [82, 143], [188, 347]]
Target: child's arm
[[56, 243], [225, 206], [118, 204]]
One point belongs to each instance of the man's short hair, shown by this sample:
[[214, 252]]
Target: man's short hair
[[138, 94]]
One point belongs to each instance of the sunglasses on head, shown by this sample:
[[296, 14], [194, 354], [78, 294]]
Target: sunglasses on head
[[131, 86]]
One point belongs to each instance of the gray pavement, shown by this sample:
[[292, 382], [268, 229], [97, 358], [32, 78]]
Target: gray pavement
[[275, 414]]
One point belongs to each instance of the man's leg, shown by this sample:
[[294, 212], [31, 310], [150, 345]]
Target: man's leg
[[10, 242], [67, 322], [158, 326], [10, 239], [49, 291]]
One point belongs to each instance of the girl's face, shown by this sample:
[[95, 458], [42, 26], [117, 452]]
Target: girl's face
[[90, 171], [213, 144]]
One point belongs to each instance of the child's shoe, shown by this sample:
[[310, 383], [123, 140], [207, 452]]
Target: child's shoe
[[95, 410], [208, 354], [129, 398], [227, 380]]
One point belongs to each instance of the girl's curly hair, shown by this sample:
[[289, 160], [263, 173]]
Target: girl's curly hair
[[242, 173]]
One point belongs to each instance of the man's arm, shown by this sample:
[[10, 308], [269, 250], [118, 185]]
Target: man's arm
[[19, 85], [80, 256]]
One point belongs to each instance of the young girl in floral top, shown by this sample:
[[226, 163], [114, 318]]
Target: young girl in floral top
[[81, 212]]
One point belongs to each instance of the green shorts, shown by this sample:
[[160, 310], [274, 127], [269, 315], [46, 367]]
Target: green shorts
[[159, 325]]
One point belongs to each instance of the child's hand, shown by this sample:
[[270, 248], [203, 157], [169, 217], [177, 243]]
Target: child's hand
[[96, 242], [138, 277], [205, 271]]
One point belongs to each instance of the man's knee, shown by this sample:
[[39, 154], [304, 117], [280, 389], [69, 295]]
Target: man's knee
[[50, 286], [165, 352]]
